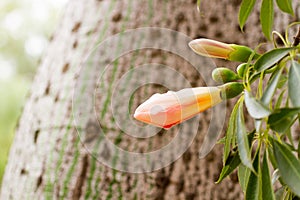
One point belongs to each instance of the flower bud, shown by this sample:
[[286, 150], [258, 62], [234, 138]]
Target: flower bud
[[231, 90], [171, 108], [211, 48], [240, 53], [241, 69], [224, 75], [216, 49]]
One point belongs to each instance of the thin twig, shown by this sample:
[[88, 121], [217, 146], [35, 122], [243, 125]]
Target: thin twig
[[297, 38]]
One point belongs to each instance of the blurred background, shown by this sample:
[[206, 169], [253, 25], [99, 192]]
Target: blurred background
[[25, 27]]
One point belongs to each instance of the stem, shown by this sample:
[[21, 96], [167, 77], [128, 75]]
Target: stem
[[255, 76], [260, 85], [297, 38]]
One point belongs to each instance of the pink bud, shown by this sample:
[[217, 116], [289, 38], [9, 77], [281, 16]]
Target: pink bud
[[216, 49], [171, 108], [211, 48]]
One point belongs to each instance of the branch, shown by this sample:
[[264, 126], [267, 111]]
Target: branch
[[297, 38]]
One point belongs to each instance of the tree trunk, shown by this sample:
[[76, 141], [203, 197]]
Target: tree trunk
[[59, 153]]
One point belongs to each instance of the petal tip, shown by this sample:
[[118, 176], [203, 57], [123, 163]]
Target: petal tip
[[192, 44], [136, 115]]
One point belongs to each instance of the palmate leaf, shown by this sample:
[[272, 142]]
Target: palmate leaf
[[283, 80], [266, 184], [294, 84], [230, 133], [245, 10], [231, 164], [288, 165], [279, 194], [282, 119], [271, 58], [272, 157], [242, 138], [266, 14], [285, 6], [256, 109], [267, 17], [243, 175], [271, 88], [233, 160], [252, 190], [279, 100]]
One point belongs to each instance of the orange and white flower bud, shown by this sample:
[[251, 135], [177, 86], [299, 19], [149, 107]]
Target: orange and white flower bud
[[211, 48], [171, 108], [216, 49]]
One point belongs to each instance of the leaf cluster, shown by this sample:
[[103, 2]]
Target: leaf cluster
[[274, 106]]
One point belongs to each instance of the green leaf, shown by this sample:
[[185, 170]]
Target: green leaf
[[285, 6], [266, 184], [243, 175], [231, 164], [256, 109], [298, 150], [279, 100], [230, 133], [294, 83], [252, 190], [221, 141], [282, 119], [266, 17], [271, 88], [289, 167], [242, 138], [245, 10], [271, 58], [282, 81], [279, 195], [272, 157], [288, 134], [251, 136]]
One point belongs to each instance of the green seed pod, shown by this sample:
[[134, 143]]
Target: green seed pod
[[224, 75], [231, 90], [241, 69]]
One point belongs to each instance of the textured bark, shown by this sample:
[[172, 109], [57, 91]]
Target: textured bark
[[47, 159]]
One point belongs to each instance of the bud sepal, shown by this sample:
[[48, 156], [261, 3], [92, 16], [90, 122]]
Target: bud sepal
[[231, 90], [224, 75]]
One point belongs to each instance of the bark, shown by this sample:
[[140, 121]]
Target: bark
[[48, 159]]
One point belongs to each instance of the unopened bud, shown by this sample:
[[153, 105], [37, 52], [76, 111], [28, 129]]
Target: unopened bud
[[241, 69], [216, 49], [224, 75], [231, 90], [211, 48], [171, 108], [240, 53]]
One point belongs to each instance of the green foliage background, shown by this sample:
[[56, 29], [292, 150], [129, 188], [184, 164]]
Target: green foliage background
[[25, 27]]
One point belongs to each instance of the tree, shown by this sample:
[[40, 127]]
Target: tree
[[48, 159]]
